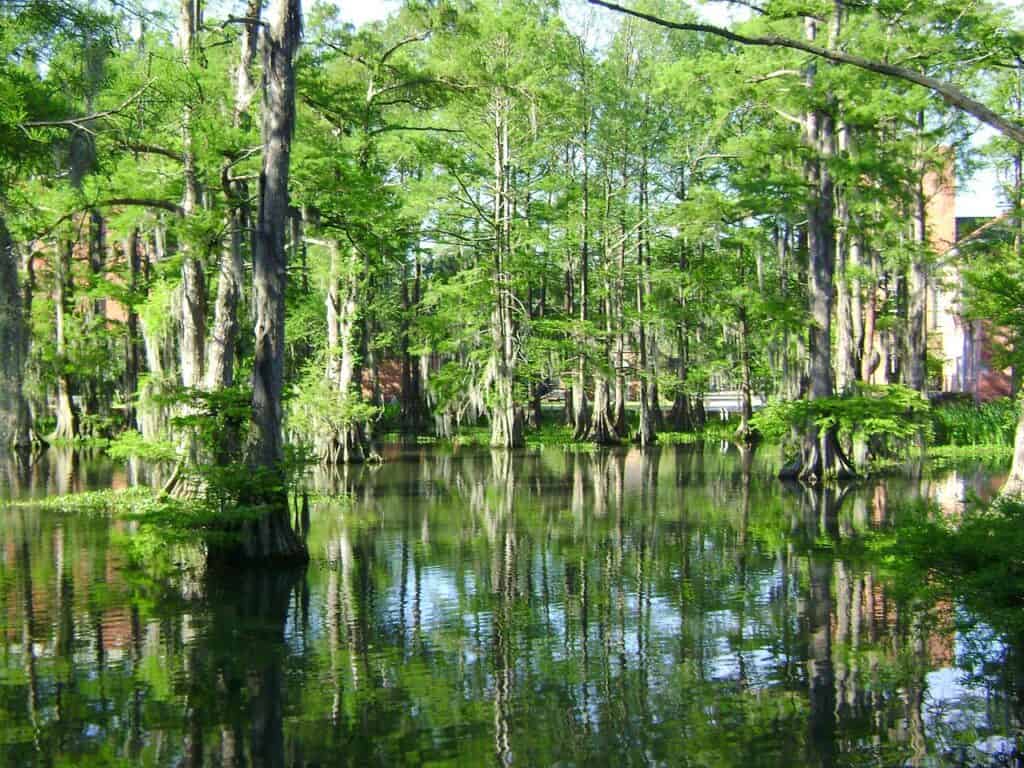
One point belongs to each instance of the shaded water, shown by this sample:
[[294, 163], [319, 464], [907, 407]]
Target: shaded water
[[675, 607]]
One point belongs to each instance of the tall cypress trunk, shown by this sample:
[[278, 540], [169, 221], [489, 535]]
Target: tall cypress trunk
[[505, 415], [193, 279], [220, 364], [870, 356], [581, 421], [821, 458], [744, 433], [619, 314], [220, 368], [846, 372], [917, 288], [349, 444], [856, 265], [602, 428], [580, 412], [15, 429], [67, 417], [680, 413], [412, 404], [133, 352], [271, 537], [647, 433]]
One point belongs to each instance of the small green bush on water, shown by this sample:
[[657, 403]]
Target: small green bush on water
[[970, 423], [550, 434], [105, 502], [885, 417]]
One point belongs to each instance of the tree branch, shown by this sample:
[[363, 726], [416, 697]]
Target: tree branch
[[152, 149], [947, 91], [417, 38], [79, 122], [389, 128], [141, 202]]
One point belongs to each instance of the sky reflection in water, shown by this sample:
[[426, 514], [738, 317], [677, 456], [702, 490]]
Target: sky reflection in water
[[679, 607]]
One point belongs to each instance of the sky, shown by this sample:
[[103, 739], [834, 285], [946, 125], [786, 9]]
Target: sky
[[977, 196]]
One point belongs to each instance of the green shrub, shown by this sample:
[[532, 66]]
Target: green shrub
[[886, 417], [130, 444], [970, 423]]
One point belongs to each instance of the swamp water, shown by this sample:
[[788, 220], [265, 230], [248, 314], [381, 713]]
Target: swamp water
[[676, 607]]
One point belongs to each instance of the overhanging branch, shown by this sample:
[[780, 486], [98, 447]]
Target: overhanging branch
[[947, 91]]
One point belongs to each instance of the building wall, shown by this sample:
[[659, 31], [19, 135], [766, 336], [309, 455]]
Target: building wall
[[963, 345]]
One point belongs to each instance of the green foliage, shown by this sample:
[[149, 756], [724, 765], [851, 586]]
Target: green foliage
[[969, 423], [131, 444], [317, 408], [105, 502], [978, 557], [893, 412]]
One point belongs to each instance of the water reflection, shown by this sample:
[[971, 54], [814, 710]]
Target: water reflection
[[673, 606]]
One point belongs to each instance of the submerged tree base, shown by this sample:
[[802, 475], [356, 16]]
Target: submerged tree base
[[821, 460], [269, 538]]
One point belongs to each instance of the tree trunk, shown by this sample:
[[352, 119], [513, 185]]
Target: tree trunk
[[1014, 484], [505, 416], [581, 421], [618, 310], [15, 429], [133, 352], [647, 433], [193, 278], [412, 405], [680, 413], [821, 458], [870, 357], [917, 293], [744, 433], [679, 416], [349, 445], [846, 370], [220, 369], [220, 364], [271, 537], [66, 428]]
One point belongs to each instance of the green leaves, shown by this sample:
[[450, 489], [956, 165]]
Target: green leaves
[[892, 412]]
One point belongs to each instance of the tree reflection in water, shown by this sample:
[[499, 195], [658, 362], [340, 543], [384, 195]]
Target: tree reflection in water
[[666, 606]]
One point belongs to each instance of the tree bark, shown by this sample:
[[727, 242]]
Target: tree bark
[[1013, 487], [15, 429], [917, 289], [506, 418], [349, 445], [271, 537], [220, 366], [647, 433], [821, 458], [618, 311], [744, 433], [870, 356], [602, 427], [412, 405], [66, 428], [846, 372], [581, 421], [133, 352], [193, 278]]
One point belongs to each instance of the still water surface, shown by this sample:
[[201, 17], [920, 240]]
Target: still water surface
[[676, 607]]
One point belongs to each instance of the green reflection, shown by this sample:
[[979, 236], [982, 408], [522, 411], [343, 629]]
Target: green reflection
[[669, 607]]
